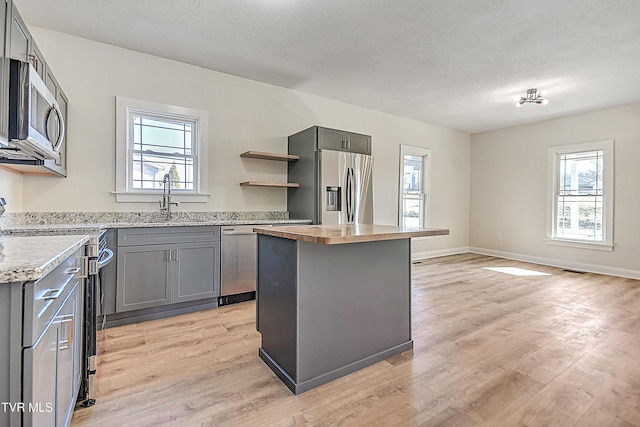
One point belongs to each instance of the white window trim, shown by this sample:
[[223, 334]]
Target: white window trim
[[552, 182], [124, 108], [426, 177]]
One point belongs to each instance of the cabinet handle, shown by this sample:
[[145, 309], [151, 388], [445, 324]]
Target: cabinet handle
[[34, 61], [68, 319], [73, 271], [176, 255], [169, 252], [52, 294]]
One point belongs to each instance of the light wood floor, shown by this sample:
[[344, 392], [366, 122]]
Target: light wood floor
[[490, 349]]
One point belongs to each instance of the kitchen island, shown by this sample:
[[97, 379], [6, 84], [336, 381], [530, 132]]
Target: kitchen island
[[332, 299]]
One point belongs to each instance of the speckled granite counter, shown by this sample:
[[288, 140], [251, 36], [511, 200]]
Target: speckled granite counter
[[29, 258], [57, 223]]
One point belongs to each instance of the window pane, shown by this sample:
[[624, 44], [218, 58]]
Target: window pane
[[412, 206], [161, 146], [580, 217], [581, 173], [412, 174], [580, 197], [149, 170]]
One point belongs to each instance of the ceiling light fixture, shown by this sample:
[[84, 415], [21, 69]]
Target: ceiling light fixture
[[532, 97]]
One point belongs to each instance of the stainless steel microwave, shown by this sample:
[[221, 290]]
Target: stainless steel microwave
[[36, 124]]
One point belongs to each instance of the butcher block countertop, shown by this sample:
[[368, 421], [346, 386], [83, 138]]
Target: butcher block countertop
[[353, 233]]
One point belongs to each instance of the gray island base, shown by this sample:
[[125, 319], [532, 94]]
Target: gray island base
[[333, 299]]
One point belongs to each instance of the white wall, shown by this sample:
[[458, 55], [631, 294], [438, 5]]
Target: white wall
[[509, 190], [243, 115], [11, 190]]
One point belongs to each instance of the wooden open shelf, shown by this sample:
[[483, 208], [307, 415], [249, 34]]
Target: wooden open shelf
[[270, 156], [270, 184]]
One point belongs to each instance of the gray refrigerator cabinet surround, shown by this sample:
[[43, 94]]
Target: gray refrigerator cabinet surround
[[335, 173], [159, 267]]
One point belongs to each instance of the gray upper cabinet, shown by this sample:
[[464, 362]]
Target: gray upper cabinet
[[159, 267], [37, 60], [20, 45], [5, 12], [333, 139], [19, 36]]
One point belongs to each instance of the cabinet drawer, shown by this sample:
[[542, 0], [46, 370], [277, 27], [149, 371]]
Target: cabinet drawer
[[164, 235], [43, 298]]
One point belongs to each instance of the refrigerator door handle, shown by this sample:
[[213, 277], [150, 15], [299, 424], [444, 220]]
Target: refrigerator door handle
[[350, 195]]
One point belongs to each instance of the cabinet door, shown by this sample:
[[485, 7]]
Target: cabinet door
[[39, 378], [37, 60], [330, 139], [143, 277], [20, 38], [359, 143], [69, 340], [4, 73], [196, 271]]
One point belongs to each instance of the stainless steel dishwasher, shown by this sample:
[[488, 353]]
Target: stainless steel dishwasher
[[237, 264]]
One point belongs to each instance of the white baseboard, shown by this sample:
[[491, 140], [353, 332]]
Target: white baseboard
[[439, 253], [589, 268]]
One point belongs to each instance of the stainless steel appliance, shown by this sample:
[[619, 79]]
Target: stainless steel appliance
[[98, 256], [335, 174], [237, 264], [36, 124]]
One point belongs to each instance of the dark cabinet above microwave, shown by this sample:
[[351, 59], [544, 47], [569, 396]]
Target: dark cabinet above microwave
[[41, 149]]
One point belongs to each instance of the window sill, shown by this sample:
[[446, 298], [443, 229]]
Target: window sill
[[598, 246], [145, 197]]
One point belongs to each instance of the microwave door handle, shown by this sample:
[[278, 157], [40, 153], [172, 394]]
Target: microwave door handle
[[58, 143]]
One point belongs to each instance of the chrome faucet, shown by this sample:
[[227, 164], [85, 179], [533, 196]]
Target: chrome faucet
[[165, 203]]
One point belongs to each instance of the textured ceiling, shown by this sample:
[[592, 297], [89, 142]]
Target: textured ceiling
[[455, 63]]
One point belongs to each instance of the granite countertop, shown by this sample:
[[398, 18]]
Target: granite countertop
[[95, 228], [25, 258], [341, 234]]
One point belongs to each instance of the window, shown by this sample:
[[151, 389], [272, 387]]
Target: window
[[154, 140], [414, 169], [581, 195]]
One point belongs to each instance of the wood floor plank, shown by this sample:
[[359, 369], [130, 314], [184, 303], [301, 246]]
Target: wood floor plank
[[489, 349]]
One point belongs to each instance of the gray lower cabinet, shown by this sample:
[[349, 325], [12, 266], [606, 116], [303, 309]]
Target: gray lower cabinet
[[144, 277], [52, 339], [195, 275], [158, 267]]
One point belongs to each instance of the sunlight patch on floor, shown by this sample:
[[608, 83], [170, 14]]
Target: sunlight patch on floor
[[515, 271]]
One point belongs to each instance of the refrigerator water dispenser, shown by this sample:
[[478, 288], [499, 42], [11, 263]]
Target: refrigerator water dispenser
[[333, 198]]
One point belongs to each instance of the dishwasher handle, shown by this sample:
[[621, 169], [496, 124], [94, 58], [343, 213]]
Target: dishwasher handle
[[237, 233], [245, 231]]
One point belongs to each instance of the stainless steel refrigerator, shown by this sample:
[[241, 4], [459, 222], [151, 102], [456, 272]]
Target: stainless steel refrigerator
[[335, 172]]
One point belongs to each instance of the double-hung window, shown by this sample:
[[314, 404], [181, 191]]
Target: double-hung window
[[414, 197], [581, 195], [155, 140]]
